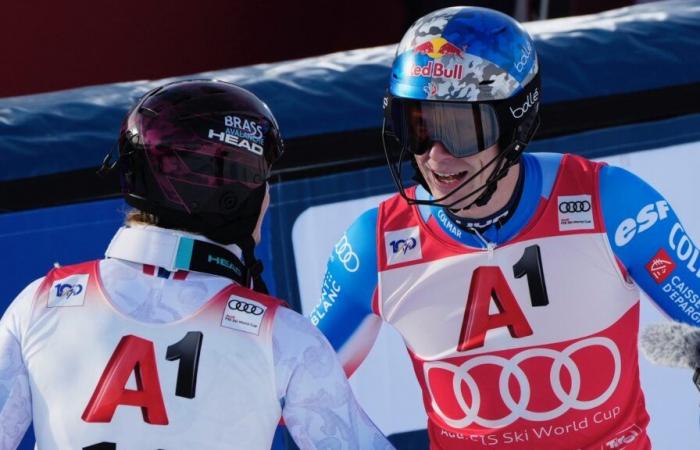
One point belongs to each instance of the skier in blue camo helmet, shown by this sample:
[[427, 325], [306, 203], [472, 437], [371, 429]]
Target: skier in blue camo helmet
[[467, 78], [505, 273]]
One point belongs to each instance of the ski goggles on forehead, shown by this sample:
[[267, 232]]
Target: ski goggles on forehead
[[464, 129]]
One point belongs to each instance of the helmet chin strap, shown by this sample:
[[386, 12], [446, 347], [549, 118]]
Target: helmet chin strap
[[504, 160], [240, 232], [508, 159]]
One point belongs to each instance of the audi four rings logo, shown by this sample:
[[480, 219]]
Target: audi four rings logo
[[511, 369], [575, 206], [245, 307], [346, 255]]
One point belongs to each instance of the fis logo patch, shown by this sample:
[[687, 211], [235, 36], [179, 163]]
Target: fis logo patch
[[243, 314], [402, 245], [575, 212], [660, 266], [69, 291]]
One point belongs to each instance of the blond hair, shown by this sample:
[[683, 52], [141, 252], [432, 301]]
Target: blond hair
[[138, 217]]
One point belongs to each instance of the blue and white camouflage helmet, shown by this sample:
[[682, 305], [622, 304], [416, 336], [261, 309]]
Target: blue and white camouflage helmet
[[468, 78], [463, 54]]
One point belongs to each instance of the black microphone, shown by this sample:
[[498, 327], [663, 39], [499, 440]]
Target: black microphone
[[673, 344]]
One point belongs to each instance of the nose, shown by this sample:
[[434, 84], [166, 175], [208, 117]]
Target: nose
[[438, 152]]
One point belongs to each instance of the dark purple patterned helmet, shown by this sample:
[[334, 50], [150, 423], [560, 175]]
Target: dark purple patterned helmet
[[198, 154]]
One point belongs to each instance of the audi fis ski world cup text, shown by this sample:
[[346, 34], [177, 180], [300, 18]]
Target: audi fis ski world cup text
[[243, 314], [246, 307], [497, 440], [575, 212]]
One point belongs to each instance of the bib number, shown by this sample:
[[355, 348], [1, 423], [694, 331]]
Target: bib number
[[489, 284]]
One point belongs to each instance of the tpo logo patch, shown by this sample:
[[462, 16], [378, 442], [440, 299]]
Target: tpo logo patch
[[575, 212], [68, 291], [243, 314], [402, 245]]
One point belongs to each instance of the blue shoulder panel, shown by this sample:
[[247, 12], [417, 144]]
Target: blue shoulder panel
[[549, 167], [350, 281], [649, 240]]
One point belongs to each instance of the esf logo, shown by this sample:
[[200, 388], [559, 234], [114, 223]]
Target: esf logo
[[575, 206], [646, 218], [68, 290], [530, 102], [249, 308], [403, 245]]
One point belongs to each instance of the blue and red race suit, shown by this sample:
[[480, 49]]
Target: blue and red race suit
[[528, 328]]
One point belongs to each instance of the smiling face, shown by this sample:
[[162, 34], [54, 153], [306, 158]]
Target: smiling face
[[443, 173]]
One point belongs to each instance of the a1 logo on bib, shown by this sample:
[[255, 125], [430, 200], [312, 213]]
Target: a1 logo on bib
[[575, 212], [402, 245], [69, 291], [243, 314]]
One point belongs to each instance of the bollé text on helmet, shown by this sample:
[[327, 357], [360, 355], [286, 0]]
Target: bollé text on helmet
[[524, 57], [530, 101]]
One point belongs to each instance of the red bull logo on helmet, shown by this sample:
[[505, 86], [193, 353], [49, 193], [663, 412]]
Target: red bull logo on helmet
[[438, 48], [437, 70]]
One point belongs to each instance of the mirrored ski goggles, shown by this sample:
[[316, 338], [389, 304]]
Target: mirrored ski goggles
[[463, 128]]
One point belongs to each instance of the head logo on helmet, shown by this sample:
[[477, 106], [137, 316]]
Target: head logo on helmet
[[197, 154]]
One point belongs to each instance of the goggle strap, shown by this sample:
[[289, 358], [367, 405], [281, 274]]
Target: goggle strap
[[479, 129]]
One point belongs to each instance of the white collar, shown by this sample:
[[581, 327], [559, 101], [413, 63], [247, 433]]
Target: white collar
[[160, 247]]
